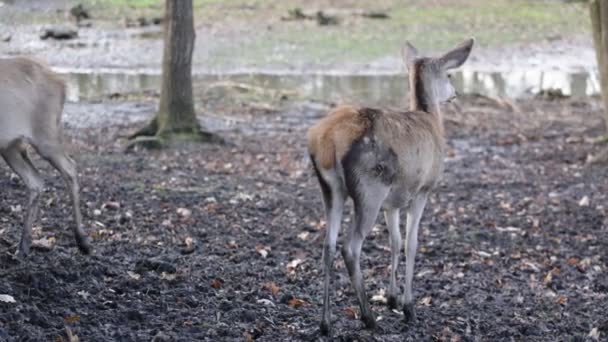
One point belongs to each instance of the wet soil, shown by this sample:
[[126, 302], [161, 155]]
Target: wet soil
[[223, 243]]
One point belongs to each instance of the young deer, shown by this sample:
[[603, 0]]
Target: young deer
[[383, 159], [31, 102]]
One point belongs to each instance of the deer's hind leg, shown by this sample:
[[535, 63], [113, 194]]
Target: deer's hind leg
[[334, 196], [16, 157], [57, 157]]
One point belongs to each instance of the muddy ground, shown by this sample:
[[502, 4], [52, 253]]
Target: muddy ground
[[223, 243]]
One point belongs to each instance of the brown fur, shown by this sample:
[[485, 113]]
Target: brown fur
[[331, 137]]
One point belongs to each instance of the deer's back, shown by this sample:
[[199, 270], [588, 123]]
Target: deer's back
[[31, 100], [400, 149], [416, 138]]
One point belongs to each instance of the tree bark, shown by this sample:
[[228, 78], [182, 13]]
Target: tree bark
[[176, 116], [176, 109], [599, 22]]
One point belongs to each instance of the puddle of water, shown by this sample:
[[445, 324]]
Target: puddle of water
[[385, 89]]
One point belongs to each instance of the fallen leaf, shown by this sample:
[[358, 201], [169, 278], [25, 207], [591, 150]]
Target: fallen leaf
[[584, 202], [84, 294], [573, 261], [380, 297], [265, 301], [168, 276], [561, 300], [263, 251], [303, 236], [351, 312], [133, 275], [248, 337], [272, 287], [594, 334], [426, 301], [292, 265], [296, 303], [189, 242], [7, 298], [184, 213], [72, 319], [216, 283], [110, 206], [44, 243]]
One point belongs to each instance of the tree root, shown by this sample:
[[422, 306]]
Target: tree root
[[147, 131]]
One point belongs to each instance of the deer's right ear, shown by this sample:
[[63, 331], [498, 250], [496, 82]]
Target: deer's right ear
[[409, 54]]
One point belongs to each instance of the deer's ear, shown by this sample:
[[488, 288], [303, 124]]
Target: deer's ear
[[409, 54], [458, 55]]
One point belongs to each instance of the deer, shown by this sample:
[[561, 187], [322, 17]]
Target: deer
[[383, 159], [31, 104]]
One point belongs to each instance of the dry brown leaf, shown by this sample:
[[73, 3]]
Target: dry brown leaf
[[216, 283], [296, 303], [351, 312], [561, 300], [248, 337], [262, 250], [272, 287], [72, 319], [573, 261]]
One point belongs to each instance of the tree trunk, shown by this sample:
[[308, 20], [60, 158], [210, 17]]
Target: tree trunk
[[176, 109], [599, 23], [176, 116]]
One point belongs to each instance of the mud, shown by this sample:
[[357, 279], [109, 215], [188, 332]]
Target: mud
[[223, 243]]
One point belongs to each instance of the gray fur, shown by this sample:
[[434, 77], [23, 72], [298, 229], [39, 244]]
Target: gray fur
[[31, 102]]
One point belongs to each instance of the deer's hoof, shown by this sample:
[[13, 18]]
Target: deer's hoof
[[24, 248], [392, 302], [84, 245], [409, 313], [369, 321], [325, 328]]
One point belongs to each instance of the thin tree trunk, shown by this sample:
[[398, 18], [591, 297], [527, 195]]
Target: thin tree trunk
[[176, 109], [599, 23]]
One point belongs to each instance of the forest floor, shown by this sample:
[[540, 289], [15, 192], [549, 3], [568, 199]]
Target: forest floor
[[223, 242]]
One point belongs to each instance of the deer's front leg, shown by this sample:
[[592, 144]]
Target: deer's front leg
[[392, 222]]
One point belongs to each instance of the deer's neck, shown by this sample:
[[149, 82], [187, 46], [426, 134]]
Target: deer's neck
[[422, 96]]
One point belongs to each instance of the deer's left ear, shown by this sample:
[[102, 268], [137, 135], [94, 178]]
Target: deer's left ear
[[409, 54], [457, 56]]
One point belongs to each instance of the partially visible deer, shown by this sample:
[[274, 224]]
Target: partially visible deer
[[31, 103], [383, 159]]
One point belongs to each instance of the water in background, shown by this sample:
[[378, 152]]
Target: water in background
[[374, 89]]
